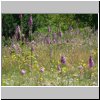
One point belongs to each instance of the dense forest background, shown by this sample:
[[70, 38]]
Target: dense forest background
[[42, 21]]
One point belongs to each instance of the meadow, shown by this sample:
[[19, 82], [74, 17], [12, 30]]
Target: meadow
[[67, 58]]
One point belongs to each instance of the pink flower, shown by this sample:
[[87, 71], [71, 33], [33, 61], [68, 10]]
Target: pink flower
[[42, 69], [23, 71], [54, 41]]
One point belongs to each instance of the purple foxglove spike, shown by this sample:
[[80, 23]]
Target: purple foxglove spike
[[17, 29], [63, 60], [30, 22], [60, 34], [48, 41], [91, 62]]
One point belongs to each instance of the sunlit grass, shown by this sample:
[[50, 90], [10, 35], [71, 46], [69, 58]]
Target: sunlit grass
[[48, 56]]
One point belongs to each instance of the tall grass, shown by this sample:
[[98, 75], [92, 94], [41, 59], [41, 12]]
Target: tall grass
[[76, 48]]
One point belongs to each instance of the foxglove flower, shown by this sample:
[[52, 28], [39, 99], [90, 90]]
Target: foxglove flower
[[54, 41], [48, 41], [18, 47], [30, 22], [42, 69], [91, 62], [60, 34], [23, 71], [17, 29], [63, 60], [32, 48]]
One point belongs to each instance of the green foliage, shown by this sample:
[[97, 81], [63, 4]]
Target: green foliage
[[6, 42], [87, 20], [9, 22], [57, 22]]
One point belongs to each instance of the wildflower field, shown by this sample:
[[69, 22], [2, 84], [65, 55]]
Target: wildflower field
[[49, 56]]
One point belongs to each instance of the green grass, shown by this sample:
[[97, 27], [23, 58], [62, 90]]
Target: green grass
[[77, 53]]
